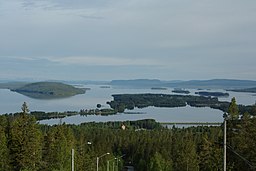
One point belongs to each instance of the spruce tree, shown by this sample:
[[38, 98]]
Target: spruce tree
[[4, 162], [233, 110], [25, 142]]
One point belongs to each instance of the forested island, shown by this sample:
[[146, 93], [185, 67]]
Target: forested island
[[41, 115], [213, 94], [48, 90], [245, 90], [144, 145], [130, 101], [181, 91]]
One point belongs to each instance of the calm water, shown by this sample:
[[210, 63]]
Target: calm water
[[11, 102], [181, 114]]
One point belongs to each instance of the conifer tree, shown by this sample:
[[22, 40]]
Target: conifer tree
[[4, 155], [58, 145], [158, 163], [233, 110], [25, 142], [186, 156]]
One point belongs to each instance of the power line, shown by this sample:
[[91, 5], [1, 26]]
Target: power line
[[243, 158]]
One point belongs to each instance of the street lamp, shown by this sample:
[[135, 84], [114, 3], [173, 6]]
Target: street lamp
[[99, 158]]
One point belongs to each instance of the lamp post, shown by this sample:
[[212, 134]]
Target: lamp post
[[98, 158]]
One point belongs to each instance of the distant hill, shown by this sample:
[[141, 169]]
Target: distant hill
[[206, 84], [141, 83], [137, 83], [48, 90], [215, 83], [12, 85]]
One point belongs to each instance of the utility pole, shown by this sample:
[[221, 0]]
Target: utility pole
[[72, 161], [108, 165], [97, 163], [225, 143]]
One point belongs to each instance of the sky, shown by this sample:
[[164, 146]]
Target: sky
[[127, 39]]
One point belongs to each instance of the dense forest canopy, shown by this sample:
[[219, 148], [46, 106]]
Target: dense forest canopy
[[146, 145]]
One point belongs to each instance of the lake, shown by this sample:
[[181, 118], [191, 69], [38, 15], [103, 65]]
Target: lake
[[10, 102]]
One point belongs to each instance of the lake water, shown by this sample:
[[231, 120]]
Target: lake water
[[10, 102]]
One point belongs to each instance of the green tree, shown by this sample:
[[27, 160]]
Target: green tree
[[186, 157], [158, 163], [210, 156], [233, 110], [24, 108], [245, 143], [25, 142], [58, 145], [4, 162]]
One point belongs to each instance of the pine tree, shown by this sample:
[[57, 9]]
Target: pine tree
[[209, 155], [158, 163], [25, 142], [4, 154], [186, 157], [233, 110], [57, 151]]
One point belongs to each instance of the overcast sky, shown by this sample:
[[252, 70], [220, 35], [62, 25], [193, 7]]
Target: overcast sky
[[127, 39]]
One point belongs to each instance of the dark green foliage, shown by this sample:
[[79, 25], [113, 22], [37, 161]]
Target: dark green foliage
[[4, 151], [215, 94], [233, 110], [158, 163], [57, 150], [39, 115], [151, 148], [129, 101], [24, 143]]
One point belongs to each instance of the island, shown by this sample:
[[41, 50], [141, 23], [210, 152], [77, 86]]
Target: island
[[158, 88], [245, 90], [181, 91], [131, 101], [213, 94], [105, 87], [48, 90]]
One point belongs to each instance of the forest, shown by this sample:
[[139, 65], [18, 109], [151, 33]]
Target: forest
[[146, 145]]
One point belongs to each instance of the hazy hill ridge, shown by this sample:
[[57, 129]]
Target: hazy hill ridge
[[214, 83]]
